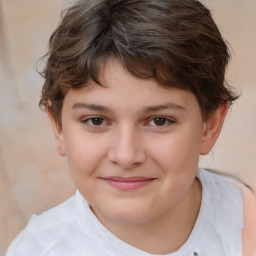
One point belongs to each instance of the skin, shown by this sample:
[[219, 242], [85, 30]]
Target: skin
[[249, 229], [133, 128]]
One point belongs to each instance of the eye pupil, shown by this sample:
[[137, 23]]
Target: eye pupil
[[97, 121], [159, 121]]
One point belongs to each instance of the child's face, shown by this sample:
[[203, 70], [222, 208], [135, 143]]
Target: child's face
[[132, 147]]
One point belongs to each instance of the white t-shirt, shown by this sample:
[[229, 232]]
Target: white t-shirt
[[71, 229]]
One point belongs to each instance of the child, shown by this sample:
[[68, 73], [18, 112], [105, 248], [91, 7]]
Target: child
[[135, 92]]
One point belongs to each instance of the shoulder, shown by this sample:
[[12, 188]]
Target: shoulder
[[239, 193], [43, 230], [221, 190], [222, 209]]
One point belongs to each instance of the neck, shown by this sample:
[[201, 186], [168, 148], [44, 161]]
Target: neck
[[167, 233]]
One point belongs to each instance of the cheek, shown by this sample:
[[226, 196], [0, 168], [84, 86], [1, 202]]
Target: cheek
[[84, 153], [177, 152]]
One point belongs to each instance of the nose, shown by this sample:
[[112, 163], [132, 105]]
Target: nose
[[127, 149]]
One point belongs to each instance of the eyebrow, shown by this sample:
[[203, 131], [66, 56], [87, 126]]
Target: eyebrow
[[95, 107], [168, 106], [147, 109]]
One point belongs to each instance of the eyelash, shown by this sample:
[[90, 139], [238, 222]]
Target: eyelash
[[167, 121], [89, 121], [104, 122]]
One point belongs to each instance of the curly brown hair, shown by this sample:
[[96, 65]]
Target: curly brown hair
[[176, 42]]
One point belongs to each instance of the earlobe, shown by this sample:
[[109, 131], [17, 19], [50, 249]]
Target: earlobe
[[212, 129], [58, 134]]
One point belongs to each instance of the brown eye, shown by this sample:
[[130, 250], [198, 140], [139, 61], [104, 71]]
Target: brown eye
[[97, 121], [160, 121]]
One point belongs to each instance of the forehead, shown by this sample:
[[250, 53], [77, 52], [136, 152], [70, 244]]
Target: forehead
[[122, 90]]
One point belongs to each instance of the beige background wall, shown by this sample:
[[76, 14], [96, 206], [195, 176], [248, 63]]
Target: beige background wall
[[32, 176]]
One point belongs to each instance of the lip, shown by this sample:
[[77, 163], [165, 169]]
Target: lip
[[128, 183]]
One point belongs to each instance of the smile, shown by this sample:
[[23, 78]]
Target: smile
[[130, 183]]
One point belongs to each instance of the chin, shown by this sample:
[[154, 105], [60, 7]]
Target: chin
[[124, 214], [131, 215]]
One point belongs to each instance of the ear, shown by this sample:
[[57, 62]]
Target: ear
[[212, 129], [58, 134]]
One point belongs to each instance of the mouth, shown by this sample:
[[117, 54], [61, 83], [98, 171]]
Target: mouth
[[128, 183]]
